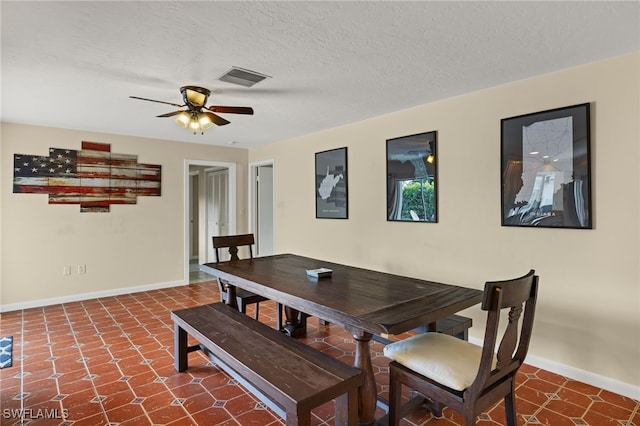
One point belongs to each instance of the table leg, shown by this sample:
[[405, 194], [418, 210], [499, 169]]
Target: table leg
[[231, 296], [293, 326], [368, 393], [180, 351]]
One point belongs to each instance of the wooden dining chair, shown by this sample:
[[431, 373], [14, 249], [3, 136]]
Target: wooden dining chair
[[468, 378], [243, 297]]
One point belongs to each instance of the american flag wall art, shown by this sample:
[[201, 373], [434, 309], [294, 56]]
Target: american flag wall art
[[93, 177]]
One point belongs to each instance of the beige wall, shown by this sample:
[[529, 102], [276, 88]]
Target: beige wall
[[130, 247], [588, 322], [588, 318]]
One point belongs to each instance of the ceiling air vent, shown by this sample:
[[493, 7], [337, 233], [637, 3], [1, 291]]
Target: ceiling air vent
[[243, 77]]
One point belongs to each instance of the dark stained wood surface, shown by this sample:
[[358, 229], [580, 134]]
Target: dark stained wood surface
[[365, 302], [294, 375], [356, 298]]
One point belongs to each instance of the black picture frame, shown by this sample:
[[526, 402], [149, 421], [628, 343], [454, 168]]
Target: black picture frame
[[332, 196], [546, 169], [412, 178]]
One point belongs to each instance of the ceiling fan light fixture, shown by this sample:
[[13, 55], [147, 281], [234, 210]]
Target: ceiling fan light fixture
[[197, 122], [198, 117], [194, 95], [194, 126], [183, 119], [204, 121]]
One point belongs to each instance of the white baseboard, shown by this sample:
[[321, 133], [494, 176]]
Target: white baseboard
[[603, 382], [86, 296]]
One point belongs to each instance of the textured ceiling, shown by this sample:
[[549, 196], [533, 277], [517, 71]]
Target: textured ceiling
[[75, 64]]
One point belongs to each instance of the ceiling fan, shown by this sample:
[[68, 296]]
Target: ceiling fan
[[198, 117]]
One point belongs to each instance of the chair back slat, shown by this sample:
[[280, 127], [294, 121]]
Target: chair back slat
[[236, 298], [510, 338], [518, 297], [232, 242], [513, 292]]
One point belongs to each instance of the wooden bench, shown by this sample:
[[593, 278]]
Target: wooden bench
[[454, 325], [294, 376]]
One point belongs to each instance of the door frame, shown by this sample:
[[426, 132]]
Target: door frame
[[232, 205], [253, 193]]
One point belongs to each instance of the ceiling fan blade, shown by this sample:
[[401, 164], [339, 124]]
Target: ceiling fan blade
[[230, 109], [170, 114], [160, 102], [216, 119]]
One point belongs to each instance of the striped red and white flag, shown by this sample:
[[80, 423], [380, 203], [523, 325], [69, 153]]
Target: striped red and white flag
[[93, 177]]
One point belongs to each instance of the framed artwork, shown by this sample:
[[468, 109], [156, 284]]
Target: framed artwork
[[93, 177], [546, 169], [332, 201], [412, 178]]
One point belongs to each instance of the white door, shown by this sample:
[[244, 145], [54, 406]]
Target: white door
[[264, 213], [217, 213]]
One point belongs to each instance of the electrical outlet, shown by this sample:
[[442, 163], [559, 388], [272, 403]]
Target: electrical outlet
[[82, 269], [66, 270]]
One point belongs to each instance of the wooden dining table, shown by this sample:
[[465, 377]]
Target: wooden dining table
[[363, 301]]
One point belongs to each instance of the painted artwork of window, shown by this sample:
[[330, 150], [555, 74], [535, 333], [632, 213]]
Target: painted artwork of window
[[411, 178]]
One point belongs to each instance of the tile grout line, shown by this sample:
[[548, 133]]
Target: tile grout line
[[170, 327], [99, 334], [635, 411], [115, 322], [22, 342], [586, 410], [175, 398], [182, 305], [84, 360], [629, 422], [21, 358], [533, 420], [159, 304], [50, 344]]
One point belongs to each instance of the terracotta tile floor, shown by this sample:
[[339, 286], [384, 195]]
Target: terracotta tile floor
[[109, 361]]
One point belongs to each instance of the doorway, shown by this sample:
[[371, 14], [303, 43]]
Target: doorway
[[210, 208], [261, 199], [216, 206]]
